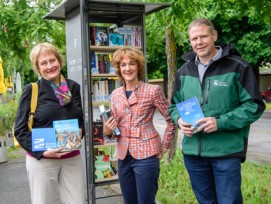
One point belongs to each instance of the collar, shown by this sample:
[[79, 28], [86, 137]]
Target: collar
[[216, 57], [136, 87]]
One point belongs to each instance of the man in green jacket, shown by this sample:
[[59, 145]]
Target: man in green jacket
[[226, 87]]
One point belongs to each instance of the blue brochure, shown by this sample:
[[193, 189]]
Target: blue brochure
[[43, 139], [190, 111]]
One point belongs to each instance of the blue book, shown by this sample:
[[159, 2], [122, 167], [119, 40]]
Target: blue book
[[190, 111], [116, 39], [43, 139], [93, 63], [67, 134]]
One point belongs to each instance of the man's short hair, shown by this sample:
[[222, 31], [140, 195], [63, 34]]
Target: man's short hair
[[201, 21]]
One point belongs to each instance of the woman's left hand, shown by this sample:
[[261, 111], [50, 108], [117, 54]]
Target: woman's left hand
[[55, 153]]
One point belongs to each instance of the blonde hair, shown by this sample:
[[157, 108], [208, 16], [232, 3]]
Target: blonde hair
[[133, 53], [44, 48], [202, 21]]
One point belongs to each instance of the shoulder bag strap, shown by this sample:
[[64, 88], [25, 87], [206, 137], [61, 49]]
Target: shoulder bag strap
[[33, 106], [34, 98]]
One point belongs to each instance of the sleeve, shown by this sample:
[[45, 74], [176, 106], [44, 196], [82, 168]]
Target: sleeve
[[162, 104], [76, 93], [251, 103], [22, 134], [114, 112], [176, 98], [113, 107]]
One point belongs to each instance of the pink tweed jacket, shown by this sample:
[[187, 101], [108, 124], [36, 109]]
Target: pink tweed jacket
[[135, 121]]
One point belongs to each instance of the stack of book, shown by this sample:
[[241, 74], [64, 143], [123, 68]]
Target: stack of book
[[101, 63], [103, 167], [102, 88]]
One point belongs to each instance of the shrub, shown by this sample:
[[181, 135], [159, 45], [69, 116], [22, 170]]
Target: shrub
[[7, 115]]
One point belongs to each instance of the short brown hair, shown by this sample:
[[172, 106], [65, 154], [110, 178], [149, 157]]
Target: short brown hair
[[44, 48], [135, 54]]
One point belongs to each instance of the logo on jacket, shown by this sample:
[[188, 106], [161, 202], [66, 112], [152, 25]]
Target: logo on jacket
[[220, 83]]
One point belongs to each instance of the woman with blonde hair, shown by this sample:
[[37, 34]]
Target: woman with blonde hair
[[51, 173]]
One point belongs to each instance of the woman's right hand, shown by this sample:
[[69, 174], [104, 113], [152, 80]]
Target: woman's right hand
[[54, 153]]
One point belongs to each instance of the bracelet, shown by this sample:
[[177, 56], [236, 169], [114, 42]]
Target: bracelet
[[107, 135]]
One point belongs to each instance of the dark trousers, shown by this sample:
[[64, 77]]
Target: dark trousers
[[139, 179], [215, 180]]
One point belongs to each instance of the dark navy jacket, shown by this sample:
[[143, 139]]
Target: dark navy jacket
[[48, 110]]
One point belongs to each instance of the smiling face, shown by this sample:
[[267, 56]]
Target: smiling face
[[49, 67], [129, 70], [202, 40]]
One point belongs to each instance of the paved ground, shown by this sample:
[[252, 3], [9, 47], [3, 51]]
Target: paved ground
[[259, 142], [14, 186]]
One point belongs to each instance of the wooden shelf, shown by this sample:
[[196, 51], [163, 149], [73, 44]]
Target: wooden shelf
[[104, 76], [113, 178], [107, 49], [104, 49], [98, 103], [109, 144]]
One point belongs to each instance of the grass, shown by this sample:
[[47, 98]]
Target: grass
[[15, 153], [175, 188], [268, 106]]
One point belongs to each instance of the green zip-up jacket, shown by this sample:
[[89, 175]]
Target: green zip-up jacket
[[230, 93]]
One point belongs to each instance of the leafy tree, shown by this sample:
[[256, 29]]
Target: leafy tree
[[247, 26], [22, 26]]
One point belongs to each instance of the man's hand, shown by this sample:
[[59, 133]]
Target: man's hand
[[186, 128], [207, 125], [54, 153]]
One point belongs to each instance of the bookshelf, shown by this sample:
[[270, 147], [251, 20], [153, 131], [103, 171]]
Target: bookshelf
[[105, 39], [105, 150], [105, 49], [79, 15]]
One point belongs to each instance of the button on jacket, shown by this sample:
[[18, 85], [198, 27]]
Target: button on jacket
[[135, 121]]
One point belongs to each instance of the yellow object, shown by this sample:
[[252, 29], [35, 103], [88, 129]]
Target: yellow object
[[10, 85], [2, 85], [33, 106]]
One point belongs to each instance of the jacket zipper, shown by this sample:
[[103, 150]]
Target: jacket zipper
[[207, 91], [201, 104]]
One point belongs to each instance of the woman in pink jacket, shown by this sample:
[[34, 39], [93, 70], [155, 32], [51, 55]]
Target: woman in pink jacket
[[139, 145]]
